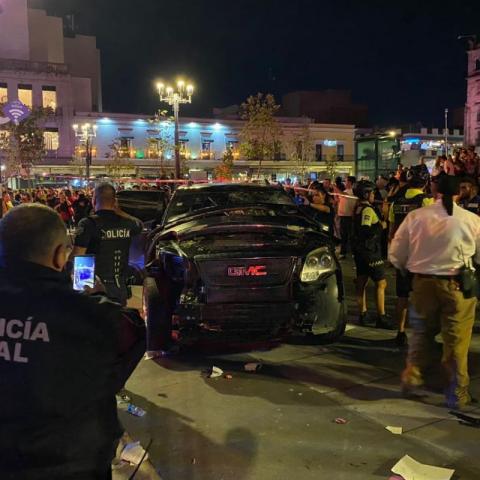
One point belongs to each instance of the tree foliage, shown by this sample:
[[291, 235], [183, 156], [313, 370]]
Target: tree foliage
[[23, 145], [117, 164], [161, 140], [300, 149], [261, 134], [224, 171]]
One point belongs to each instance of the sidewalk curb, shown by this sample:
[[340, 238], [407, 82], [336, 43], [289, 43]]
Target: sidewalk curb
[[145, 472]]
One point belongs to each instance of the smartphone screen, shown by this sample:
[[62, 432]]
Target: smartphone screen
[[83, 272]]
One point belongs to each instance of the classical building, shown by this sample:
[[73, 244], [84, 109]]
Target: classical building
[[42, 66], [472, 107]]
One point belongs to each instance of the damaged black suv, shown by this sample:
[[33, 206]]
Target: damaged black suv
[[240, 263]]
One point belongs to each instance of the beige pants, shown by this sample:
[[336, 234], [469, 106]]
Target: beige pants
[[437, 305]]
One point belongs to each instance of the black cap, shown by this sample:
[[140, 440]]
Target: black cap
[[449, 185]]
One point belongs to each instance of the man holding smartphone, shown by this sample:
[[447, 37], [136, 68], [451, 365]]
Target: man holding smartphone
[[63, 357], [108, 235]]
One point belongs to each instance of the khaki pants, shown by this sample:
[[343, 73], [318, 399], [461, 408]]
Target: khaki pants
[[437, 305]]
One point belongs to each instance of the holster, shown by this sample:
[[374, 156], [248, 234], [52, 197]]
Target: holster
[[469, 284]]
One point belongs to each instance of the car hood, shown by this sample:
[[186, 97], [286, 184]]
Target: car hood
[[279, 235]]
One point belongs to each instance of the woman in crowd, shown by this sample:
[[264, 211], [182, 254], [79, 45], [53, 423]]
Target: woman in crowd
[[320, 207]]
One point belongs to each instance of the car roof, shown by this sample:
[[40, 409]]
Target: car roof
[[211, 187]]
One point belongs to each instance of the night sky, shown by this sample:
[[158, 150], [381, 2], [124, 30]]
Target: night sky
[[402, 58]]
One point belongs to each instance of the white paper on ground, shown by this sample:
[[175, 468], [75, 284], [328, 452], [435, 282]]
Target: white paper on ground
[[216, 372], [133, 453], [395, 430], [410, 469]]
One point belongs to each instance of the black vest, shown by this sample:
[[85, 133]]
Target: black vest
[[403, 206]]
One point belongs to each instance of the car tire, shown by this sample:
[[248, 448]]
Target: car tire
[[157, 315], [339, 330]]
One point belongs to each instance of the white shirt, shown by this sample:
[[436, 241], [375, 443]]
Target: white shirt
[[431, 242], [346, 205]]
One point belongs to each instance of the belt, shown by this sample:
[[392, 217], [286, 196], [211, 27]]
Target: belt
[[436, 277]]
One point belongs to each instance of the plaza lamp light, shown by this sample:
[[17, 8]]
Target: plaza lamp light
[[86, 133], [175, 97]]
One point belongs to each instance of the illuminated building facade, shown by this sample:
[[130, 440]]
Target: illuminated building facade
[[472, 107]]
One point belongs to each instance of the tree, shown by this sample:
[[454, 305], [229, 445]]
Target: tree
[[161, 138], [260, 136], [23, 145], [300, 149], [117, 164], [331, 163], [224, 171]]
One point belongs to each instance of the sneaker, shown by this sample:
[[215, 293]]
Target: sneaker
[[382, 322], [401, 340]]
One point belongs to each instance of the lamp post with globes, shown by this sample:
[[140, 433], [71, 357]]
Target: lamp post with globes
[[85, 134], [183, 94]]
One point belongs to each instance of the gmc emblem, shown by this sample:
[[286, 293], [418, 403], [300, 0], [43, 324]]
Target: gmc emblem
[[252, 271]]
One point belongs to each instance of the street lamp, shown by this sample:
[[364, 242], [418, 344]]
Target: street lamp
[[446, 132], [183, 94], [85, 134]]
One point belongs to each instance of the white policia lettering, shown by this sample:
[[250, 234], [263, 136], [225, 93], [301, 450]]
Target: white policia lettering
[[20, 330], [114, 234]]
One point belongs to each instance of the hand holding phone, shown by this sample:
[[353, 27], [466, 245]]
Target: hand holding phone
[[83, 272]]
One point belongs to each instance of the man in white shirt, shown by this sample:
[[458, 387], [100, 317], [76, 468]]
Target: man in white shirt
[[346, 206], [435, 243]]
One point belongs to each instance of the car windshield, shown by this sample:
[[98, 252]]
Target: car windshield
[[190, 202]]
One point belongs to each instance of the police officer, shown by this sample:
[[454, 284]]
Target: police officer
[[412, 198], [367, 252], [437, 244], [63, 357], [469, 198], [108, 235]]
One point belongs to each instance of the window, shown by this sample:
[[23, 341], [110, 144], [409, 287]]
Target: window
[[153, 150], [340, 152], [49, 97], [3, 93], [125, 149], [318, 152], [232, 147], [184, 152], [206, 150], [25, 95], [51, 139]]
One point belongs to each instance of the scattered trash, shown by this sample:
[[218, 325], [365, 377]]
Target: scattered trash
[[410, 469], [215, 372], [466, 419], [136, 411], [194, 461], [341, 421], [133, 453], [300, 394], [122, 397], [228, 377], [252, 367], [395, 430]]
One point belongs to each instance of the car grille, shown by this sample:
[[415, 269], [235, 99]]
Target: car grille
[[246, 272]]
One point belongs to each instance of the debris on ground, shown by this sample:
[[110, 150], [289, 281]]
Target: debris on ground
[[215, 372], [136, 411], [410, 469], [228, 377], [341, 421], [194, 461], [394, 430], [252, 367], [465, 419], [133, 453]]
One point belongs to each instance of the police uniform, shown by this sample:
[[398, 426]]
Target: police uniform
[[367, 248], [412, 199], [435, 247], [471, 204], [62, 360], [108, 236]]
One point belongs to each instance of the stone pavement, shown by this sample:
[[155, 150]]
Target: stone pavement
[[279, 423]]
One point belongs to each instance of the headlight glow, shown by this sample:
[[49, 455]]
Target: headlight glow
[[318, 263]]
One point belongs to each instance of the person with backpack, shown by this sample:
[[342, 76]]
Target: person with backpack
[[410, 199]]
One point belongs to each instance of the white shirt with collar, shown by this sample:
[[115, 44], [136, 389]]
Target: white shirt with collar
[[431, 242]]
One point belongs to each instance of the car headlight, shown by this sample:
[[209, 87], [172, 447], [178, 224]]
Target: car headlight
[[318, 263]]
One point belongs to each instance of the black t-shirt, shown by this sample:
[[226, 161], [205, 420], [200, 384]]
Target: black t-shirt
[[108, 236]]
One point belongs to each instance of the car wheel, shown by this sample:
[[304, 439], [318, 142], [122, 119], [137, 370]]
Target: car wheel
[[157, 316], [339, 330]]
